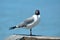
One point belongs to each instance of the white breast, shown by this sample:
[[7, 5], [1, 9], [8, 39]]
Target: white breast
[[36, 21]]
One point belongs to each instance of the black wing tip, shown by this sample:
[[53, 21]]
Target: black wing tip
[[12, 28]]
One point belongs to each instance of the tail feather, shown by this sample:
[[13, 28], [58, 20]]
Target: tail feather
[[12, 28]]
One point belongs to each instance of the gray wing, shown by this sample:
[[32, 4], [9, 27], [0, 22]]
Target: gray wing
[[26, 22], [29, 20]]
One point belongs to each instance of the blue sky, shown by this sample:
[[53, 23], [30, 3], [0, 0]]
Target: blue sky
[[12, 12]]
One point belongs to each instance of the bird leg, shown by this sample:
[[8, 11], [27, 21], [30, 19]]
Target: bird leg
[[31, 32]]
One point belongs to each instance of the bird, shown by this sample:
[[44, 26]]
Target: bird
[[30, 22]]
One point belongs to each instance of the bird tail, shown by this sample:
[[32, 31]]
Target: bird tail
[[12, 27]]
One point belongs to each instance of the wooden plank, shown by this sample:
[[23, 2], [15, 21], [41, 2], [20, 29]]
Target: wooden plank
[[24, 37]]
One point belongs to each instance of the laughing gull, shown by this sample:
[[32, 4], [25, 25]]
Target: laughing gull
[[29, 22]]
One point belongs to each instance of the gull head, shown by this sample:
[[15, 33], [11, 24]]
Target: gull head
[[37, 12]]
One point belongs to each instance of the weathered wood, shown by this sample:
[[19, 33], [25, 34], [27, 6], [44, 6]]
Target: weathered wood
[[23, 37]]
